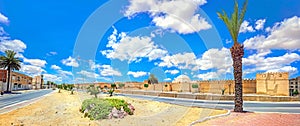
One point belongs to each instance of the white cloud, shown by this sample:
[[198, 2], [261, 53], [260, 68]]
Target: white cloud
[[3, 19], [290, 69], [283, 35], [88, 74], [167, 79], [65, 73], [172, 71], [137, 74], [246, 27], [180, 60], [16, 45], [207, 76], [218, 60], [259, 62], [215, 58], [107, 70], [32, 70], [70, 62], [51, 54], [260, 24], [51, 77], [2, 32], [132, 48], [35, 62], [55, 67], [183, 19]]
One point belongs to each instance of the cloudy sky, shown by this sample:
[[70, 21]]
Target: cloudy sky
[[86, 41]]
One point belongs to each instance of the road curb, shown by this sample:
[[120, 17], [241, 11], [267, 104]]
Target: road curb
[[210, 117], [25, 103]]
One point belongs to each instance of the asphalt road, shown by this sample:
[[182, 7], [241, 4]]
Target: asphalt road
[[252, 106], [18, 98]]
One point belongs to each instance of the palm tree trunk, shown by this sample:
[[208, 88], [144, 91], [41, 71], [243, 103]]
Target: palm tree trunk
[[237, 53], [8, 80]]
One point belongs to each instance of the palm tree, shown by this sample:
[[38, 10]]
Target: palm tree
[[9, 62], [237, 50]]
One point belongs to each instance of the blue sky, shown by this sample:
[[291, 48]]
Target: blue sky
[[86, 41]]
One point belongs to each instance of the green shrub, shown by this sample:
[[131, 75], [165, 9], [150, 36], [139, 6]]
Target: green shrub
[[96, 108], [121, 85], [195, 86], [59, 86], [111, 91], [113, 86], [93, 90], [223, 90], [146, 85], [295, 92], [118, 103]]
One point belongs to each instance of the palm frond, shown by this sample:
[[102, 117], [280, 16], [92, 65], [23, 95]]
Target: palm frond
[[234, 22], [242, 14]]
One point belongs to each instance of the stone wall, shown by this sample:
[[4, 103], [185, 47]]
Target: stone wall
[[273, 83], [215, 87], [183, 87]]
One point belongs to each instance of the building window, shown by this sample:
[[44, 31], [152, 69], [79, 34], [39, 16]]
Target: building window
[[296, 82], [292, 87], [291, 82]]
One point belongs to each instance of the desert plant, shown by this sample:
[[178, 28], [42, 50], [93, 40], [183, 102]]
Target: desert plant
[[119, 103], [233, 25], [93, 90], [195, 86], [223, 90], [121, 85], [111, 91], [113, 86], [295, 92], [146, 85], [72, 91], [59, 86], [96, 109], [58, 90]]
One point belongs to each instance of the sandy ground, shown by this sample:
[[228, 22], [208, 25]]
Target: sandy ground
[[62, 109]]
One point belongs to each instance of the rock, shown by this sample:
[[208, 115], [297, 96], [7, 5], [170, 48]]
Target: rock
[[114, 112]]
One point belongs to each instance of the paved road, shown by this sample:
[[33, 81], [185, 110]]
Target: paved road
[[253, 106], [18, 98]]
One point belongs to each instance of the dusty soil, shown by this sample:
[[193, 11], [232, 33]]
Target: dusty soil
[[62, 109]]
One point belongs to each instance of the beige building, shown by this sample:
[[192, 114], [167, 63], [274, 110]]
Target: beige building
[[37, 82], [294, 85], [273, 83], [18, 81]]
